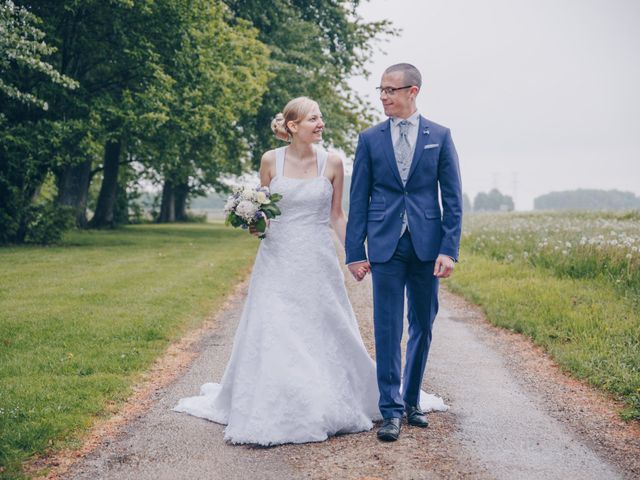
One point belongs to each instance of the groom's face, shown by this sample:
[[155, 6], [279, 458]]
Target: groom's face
[[400, 103]]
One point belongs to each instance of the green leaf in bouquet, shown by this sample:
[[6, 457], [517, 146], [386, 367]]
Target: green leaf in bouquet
[[275, 210], [261, 225], [270, 210], [235, 220], [275, 197]]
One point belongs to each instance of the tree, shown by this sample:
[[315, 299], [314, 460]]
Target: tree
[[492, 202], [26, 139], [219, 72], [466, 203]]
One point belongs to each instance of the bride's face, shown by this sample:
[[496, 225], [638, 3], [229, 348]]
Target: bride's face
[[310, 128]]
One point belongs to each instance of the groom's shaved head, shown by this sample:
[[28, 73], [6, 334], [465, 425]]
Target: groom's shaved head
[[411, 74]]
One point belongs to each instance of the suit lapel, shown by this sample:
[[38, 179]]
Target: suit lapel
[[420, 143], [387, 146]]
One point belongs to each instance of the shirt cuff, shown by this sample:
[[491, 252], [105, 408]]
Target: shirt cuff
[[357, 261]]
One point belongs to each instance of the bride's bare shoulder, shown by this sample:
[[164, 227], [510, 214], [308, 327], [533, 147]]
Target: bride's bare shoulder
[[334, 165], [268, 158], [268, 166], [334, 159]]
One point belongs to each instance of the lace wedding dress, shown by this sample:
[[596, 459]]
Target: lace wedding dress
[[299, 371]]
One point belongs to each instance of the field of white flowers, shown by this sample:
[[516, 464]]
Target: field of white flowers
[[575, 244]]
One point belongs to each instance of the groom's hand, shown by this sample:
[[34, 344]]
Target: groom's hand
[[443, 267], [359, 269]]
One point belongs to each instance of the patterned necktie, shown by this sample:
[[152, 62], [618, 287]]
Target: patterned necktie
[[402, 150]]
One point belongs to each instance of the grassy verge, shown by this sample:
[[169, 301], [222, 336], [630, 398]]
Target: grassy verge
[[80, 321], [589, 328]]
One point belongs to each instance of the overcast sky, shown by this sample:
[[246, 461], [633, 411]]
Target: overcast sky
[[540, 95]]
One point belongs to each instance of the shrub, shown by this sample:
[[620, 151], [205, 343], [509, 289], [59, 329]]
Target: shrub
[[47, 222]]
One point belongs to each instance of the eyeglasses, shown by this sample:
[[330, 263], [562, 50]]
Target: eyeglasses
[[390, 91]]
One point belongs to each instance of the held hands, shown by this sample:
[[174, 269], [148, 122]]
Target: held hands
[[359, 269], [443, 267]]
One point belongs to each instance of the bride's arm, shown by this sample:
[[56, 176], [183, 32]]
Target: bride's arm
[[338, 218], [267, 172], [267, 167]]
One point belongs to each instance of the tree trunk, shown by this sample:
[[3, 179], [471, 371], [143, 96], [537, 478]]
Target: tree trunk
[[73, 189], [23, 219], [31, 195], [103, 216], [181, 193], [167, 207]]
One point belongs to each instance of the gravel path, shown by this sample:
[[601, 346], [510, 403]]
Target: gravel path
[[512, 415]]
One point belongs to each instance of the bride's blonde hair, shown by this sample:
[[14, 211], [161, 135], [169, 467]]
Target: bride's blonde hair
[[294, 111]]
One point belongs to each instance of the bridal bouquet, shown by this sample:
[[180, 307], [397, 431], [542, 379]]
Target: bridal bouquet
[[248, 206]]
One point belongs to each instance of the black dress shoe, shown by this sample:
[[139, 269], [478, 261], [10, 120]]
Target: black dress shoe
[[390, 430], [416, 417]]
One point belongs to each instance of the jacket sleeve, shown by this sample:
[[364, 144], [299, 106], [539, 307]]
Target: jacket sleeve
[[358, 204], [451, 194]]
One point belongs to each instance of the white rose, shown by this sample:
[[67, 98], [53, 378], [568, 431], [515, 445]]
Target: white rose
[[262, 199], [246, 210]]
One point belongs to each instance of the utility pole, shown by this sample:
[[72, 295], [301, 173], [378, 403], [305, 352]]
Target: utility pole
[[514, 187], [495, 181]]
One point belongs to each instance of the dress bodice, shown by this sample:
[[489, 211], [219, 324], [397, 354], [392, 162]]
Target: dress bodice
[[305, 201]]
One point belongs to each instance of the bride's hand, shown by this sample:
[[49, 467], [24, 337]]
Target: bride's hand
[[362, 271], [253, 231], [359, 269]]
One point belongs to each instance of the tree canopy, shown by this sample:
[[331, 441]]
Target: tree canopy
[[98, 97], [22, 47]]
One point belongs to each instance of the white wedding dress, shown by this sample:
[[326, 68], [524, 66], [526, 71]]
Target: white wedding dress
[[299, 371]]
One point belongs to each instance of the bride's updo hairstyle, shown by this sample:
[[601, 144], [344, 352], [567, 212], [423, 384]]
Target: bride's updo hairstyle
[[294, 111]]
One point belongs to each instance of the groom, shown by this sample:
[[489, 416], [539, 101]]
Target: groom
[[400, 167]]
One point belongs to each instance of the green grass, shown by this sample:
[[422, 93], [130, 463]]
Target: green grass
[[589, 327], [80, 321]]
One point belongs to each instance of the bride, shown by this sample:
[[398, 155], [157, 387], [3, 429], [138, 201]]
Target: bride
[[299, 371]]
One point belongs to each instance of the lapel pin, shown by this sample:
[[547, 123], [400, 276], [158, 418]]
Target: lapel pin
[[426, 130]]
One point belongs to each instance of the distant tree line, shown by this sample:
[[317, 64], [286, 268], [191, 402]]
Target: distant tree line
[[581, 199], [587, 199], [98, 97]]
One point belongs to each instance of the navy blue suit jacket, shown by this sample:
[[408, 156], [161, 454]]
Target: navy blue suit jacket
[[378, 198]]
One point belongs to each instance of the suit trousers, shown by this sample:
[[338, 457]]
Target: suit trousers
[[404, 271]]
